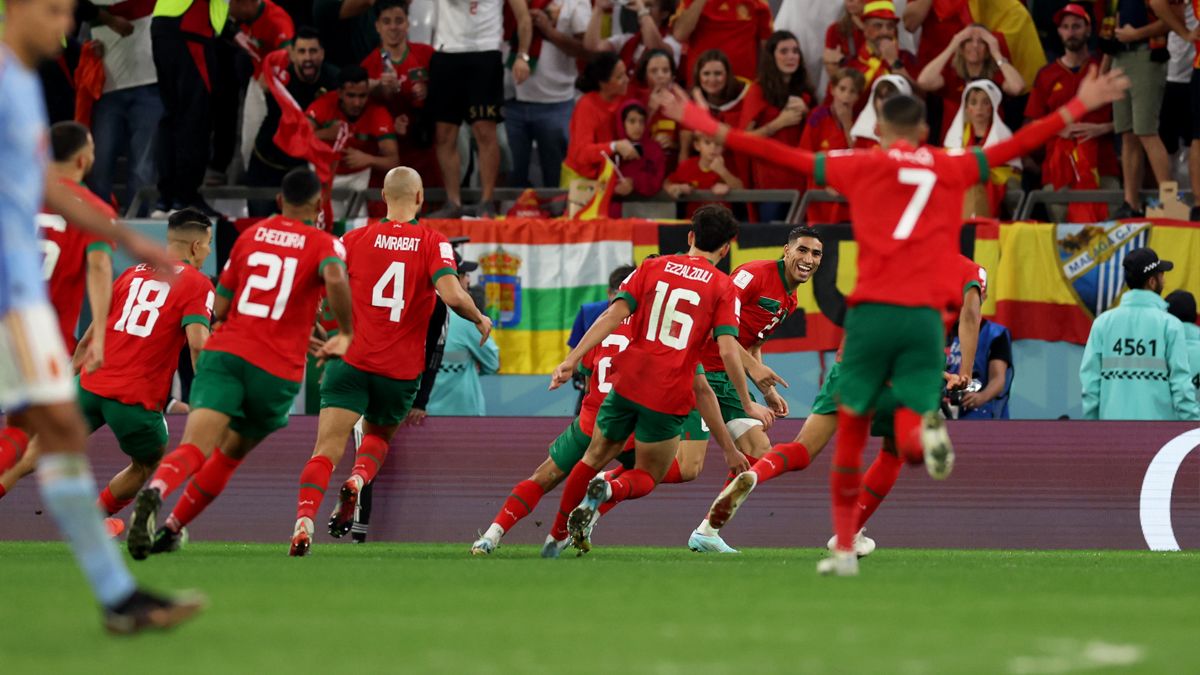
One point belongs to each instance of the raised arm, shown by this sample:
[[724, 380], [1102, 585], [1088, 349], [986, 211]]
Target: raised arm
[[686, 21], [592, 41], [915, 12]]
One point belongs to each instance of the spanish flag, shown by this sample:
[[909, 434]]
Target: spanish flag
[[589, 200]]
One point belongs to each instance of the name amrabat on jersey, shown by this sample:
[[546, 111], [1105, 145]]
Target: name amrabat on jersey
[[689, 272], [392, 243], [280, 238]]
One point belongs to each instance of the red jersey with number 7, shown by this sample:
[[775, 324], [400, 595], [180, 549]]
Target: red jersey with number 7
[[273, 282], [679, 304], [393, 268], [144, 331], [906, 211]]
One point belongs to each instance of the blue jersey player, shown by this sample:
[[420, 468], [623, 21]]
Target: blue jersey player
[[36, 387]]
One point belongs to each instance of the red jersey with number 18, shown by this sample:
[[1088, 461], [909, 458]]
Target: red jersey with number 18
[[393, 267], [679, 303], [144, 331], [906, 210], [764, 301], [273, 282]]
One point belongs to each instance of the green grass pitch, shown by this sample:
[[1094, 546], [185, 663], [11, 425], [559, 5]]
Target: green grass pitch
[[416, 608]]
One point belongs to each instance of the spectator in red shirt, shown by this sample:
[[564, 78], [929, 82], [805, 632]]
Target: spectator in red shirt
[[655, 72], [724, 93], [843, 38], [776, 107], [642, 176], [654, 32], [399, 78], [828, 128], [939, 21], [977, 124], [263, 27], [370, 150], [973, 54], [864, 133], [1084, 156], [738, 27], [594, 121], [705, 170], [881, 54]]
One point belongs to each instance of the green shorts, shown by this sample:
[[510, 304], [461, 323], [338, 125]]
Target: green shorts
[[572, 444], [903, 345], [1138, 111], [256, 401], [882, 419], [826, 402], [381, 400], [695, 428], [141, 433], [727, 396], [619, 418]]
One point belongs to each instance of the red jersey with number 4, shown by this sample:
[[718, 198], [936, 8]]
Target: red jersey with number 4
[[679, 303], [393, 267], [763, 301], [144, 332], [273, 281], [64, 266], [906, 209], [599, 362]]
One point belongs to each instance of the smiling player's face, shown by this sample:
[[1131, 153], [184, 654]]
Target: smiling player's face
[[801, 259]]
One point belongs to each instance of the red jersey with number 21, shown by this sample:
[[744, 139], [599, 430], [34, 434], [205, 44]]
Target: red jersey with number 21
[[144, 331], [679, 304], [393, 267], [273, 281], [906, 210]]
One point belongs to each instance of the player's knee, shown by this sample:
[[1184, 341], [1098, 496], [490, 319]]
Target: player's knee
[[689, 471], [143, 470], [62, 430]]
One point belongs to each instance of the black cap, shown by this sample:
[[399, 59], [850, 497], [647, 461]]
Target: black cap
[[1182, 306], [464, 266], [1141, 264]]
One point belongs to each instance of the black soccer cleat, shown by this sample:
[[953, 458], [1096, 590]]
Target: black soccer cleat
[[147, 611], [167, 540], [342, 518], [140, 539]]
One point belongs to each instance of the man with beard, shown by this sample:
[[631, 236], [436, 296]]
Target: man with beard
[[306, 77]]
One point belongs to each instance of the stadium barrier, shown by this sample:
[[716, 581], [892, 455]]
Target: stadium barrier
[[1017, 485]]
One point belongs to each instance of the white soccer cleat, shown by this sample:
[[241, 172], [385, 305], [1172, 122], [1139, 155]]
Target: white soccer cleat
[[839, 564], [483, 546], [939, 453], [552, 548], [583, 517], [726, 504], [708, 543], [863, 545]]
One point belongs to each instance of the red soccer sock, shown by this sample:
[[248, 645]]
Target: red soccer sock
[[781, 459], [523, 500], [3, 492], [313, 481], [631, 485], [606, 507], [908, 435], [176, 468], [734, 474], [574, 488], [876, 485], [844, 475], [13, 443], [371, 453], [205, 487], [674, 474], [110, 504]]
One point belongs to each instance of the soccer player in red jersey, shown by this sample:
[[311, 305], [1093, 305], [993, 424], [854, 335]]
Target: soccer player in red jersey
[[397, 268], [678, 303], [905, 205], [250, 371]]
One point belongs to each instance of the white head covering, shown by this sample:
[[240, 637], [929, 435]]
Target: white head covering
[[998, 132], [864, 126]]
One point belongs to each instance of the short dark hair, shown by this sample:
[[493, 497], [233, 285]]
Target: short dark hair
[[352, 74], [903, 111], [1182, 305], [804, 231], [307, 33], [67, 139], [597, 71], [188, 220], [300, 185], [619, 275], [384, 5], [713, 226]]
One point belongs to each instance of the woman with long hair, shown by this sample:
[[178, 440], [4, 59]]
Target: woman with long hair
[[973, 54], [721, 89], [594, 122], [656, 72]]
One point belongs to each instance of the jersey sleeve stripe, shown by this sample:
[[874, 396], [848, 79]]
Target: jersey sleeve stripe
[[445, 271], [984, 170], [224, 292], [195, 318], [333, 259], [628, 298], [102, 246], [819, 169], [725, 330]]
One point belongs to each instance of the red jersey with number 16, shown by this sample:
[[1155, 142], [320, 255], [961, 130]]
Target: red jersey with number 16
[[764, 301], [906, 210], [679, 303], [273, 281], [144, 331], [393, 267]]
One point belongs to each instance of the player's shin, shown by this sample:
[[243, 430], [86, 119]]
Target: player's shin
[[209, 482], [876, 485], [632, 484], [369, 459], [908, 435], [110, 504], [175, 468], [521, 502], [781, 459], [844, 477], [314, 480]]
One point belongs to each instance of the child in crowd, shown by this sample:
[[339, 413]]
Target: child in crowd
[[704, 170], [642, 177]]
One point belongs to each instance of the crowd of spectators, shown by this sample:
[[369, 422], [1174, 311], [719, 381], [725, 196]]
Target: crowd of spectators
[[546, 92]]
